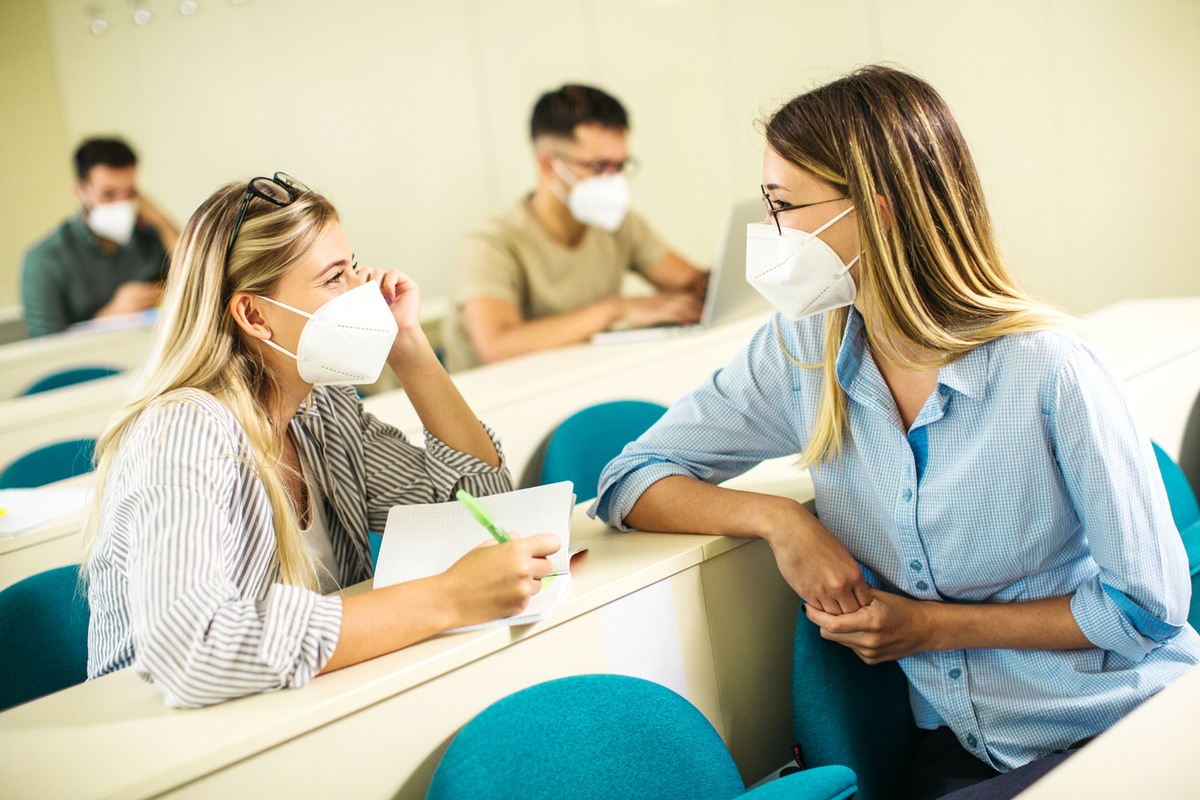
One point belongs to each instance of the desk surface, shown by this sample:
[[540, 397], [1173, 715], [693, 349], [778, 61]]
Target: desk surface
[[121, 740], [1147, 754], [23, 362]]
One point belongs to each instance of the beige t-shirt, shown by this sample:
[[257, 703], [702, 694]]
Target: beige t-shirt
[[511, 257]]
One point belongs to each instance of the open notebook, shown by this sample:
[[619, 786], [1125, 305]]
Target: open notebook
[[423, 540]]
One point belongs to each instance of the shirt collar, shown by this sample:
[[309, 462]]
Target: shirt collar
[[967, 375]]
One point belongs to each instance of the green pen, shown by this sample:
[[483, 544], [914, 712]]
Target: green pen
[[482, 516]]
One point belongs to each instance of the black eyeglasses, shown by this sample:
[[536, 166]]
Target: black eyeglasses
[[777, 207], [629, 166], [282, 190]]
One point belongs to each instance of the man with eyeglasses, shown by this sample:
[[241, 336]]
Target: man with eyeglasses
[[547, 271], [110, 258]]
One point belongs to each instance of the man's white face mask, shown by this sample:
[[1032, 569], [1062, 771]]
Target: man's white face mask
[[600, 201], [113, 221]]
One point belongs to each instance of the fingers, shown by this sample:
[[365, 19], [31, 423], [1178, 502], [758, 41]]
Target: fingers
[[542, 544]]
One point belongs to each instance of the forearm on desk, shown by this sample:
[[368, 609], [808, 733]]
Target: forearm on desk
[[681, 504], [497, 335]]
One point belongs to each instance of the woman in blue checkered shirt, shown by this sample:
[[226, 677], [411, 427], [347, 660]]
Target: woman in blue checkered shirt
[[991, 516]]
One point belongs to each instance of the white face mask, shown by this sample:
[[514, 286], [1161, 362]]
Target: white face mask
[[113, 221], [797, 272], [600, 201], [347, 340]]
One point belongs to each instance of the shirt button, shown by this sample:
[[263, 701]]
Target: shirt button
[[922, 585], [907, 495], [956, 673], [915, 564], [971, 740]]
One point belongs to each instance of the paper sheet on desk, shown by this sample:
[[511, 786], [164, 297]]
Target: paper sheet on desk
[[26, 510], [424, 540]]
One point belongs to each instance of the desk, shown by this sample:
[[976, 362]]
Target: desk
[[389, 720], [1138, 335], [21, 363], [71, 412], [1141, 335], [1162, 399], [1147, 754]]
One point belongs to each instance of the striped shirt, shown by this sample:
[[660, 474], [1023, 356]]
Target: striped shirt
[[183, 581], [1023, 477]]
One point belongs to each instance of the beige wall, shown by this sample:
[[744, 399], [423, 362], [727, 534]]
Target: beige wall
[[412, 115], [34, 171]]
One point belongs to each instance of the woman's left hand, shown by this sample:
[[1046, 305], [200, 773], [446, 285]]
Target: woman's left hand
[[401, 294], [889, 628]]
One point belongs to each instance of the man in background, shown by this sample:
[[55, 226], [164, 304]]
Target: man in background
[[110, 258], [546, 271]]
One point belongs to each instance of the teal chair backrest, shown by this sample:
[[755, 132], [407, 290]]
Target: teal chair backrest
[[1184, 508], [598, 737], [69, 377], [43, 636], [581, 446], [1189, 448], [846, 712], [1186, 513], [48, 464]]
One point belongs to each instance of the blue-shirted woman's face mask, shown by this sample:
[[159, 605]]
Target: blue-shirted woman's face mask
[[797, 272], [347, 340]]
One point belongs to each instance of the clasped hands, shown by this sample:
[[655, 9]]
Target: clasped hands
[[878, 626]]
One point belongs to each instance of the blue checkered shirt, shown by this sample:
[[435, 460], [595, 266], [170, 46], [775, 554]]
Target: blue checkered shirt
[[1023, 477]]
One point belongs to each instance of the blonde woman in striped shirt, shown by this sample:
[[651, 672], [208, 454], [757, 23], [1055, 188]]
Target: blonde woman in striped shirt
[[235, 489]]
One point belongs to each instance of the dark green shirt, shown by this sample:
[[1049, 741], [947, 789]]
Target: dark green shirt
[[66, 277]]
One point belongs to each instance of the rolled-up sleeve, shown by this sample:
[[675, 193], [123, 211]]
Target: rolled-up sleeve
[[1139, 597], [196, 635], [742, 415]]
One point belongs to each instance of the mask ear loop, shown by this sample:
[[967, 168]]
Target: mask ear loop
[[289, 308]]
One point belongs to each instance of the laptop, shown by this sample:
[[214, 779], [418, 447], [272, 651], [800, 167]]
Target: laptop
[[729, 295]]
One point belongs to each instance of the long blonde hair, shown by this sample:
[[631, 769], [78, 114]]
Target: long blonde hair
[[930, 265], [198, 345]]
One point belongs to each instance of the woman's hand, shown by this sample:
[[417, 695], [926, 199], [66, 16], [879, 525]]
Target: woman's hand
[[816, 565], [402, 295], [498, 580], [889, 628]]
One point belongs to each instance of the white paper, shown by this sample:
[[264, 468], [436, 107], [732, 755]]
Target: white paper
[[424, 540]]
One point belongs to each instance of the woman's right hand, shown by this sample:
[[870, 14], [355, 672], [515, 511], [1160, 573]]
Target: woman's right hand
[[817, 565], [497, 580]]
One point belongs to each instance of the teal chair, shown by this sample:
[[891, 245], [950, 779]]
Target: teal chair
[[1186, 513], [69, 377], [578, 449], [597, 737], [43, 636], [850, 713], [53, 462]]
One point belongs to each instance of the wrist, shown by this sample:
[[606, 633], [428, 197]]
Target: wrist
[[447, 602], [777, 520], [613, 309]]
